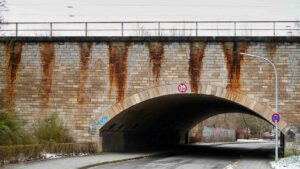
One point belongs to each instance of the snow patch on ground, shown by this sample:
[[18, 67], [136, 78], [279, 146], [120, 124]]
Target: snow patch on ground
[[292, 162], [51, 155], [252, 140], [59, 155]]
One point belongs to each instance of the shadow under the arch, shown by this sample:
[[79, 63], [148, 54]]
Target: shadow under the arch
[[163, 121]]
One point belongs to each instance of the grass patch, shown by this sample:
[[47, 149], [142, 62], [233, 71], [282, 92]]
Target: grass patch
[[10, 131], [51, 130]]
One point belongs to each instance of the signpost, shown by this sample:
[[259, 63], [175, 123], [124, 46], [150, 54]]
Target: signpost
[[277, 116], [276, 120]]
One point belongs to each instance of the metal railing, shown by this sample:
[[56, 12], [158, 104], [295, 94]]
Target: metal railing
[[149, 28]]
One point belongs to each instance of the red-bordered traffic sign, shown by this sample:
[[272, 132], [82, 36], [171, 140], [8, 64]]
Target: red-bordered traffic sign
[[276, 118], [182, 88]]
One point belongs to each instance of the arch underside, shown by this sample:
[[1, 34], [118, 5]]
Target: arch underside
[[165, 117]]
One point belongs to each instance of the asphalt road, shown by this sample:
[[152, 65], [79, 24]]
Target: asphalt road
[[228, 156]]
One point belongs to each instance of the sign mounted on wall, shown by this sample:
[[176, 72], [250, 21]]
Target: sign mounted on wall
[[182, 88], [276, 118]]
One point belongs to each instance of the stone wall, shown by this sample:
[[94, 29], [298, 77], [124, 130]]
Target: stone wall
[[80, 80]]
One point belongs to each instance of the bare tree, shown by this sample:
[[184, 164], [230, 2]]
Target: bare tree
[[2, 8], [256, 125]]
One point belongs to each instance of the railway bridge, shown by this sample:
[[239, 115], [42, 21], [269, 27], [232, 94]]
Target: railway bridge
[[130, 92]]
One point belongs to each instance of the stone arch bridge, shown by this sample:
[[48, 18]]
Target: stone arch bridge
[[122, 92]]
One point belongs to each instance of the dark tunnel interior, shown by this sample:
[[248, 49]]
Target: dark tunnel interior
[[162, 121]]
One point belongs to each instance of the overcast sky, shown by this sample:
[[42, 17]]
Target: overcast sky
[[124, 10]]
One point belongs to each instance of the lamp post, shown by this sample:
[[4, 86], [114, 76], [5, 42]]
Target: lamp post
[[276, 98]]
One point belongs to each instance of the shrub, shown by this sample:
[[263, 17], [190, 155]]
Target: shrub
[[10, 131], [52, 130], [50, 134]]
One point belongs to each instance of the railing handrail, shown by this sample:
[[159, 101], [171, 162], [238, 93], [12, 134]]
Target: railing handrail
[[226, 21], [161, 27]]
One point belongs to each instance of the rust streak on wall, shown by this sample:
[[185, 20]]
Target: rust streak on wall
[[234, 62], [13, 59], [47, 53], [118, 53], [85, 52], [271, 49], [156, 54], [197, 51]]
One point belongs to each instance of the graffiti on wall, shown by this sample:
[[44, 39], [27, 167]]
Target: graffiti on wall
[[102, 121], [218, 134]]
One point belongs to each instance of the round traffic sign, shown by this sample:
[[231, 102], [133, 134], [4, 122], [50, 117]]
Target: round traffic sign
[[276, 118], [182, 88]]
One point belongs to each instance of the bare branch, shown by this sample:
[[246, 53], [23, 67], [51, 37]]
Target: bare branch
[[2, 7]]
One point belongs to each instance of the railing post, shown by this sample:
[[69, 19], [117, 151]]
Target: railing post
[[122, 28], [274, 28], [196, 28], [158, 28], [234, 28], [51, 29], [86, 29], [17, 27]]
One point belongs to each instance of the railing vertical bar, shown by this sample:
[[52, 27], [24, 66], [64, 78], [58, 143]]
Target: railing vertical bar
[[51, 29], [86, 29], [196, 28], [234, 28], [17, 27], [158, 28], [274, 28], [122, 28]]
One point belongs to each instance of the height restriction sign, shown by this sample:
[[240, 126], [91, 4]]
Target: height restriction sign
[[182, 88]]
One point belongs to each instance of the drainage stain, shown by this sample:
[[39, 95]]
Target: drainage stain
[[47, 54], [234, 62], [156, 54], [13, 59], [118, 53], [271, 49], [85, 52], [197, 51]]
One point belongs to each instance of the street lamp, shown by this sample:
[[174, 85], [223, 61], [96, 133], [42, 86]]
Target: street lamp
[[276, 98]]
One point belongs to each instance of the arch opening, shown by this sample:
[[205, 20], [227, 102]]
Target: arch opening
[[163, 121]]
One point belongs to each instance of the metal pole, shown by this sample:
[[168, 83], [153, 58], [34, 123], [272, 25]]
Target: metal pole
[[276, 142], [276, 99]]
